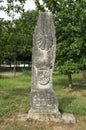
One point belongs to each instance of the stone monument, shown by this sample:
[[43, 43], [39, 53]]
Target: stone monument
[[44, 105]]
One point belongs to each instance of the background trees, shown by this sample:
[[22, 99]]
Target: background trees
[[70, 33], [1, 40], [70, 23], [17, 37], [11, 7], [25, 28]]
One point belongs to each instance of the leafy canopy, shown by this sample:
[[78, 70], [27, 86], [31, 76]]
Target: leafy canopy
[[70, 23]]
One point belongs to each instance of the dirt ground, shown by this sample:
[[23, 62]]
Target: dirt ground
[[13, 124]]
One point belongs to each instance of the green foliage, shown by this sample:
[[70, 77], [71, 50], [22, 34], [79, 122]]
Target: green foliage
[[39, 6], [24, 34], [16, 38], [3, 39], [70, 33], [71, 38], [7, 38], [11, 7]]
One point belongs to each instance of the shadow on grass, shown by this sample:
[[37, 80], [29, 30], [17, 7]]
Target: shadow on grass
[[60, 81], [78, 87], [20, 91], [9, 95], [4, 77], [65, 102]]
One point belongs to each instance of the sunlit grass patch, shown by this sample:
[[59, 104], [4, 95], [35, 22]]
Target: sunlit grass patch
[[15, 99]]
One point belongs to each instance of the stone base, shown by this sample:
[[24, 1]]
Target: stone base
[[68, 118], [22, 117], [46, 116], [64, 118]]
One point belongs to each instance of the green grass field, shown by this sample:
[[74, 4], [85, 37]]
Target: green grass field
[[15, 100]]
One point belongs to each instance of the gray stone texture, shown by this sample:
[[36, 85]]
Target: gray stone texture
[[68, 118], [44, 105]]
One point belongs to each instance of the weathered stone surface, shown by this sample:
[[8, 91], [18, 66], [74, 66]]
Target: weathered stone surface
[[22, 117], [44, 105], [68, 118]]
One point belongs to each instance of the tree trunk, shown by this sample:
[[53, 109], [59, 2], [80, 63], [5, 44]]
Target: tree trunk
[[14, 69], [84, 75], [0, 66], [10, 65], [24, 65], [70, 79]]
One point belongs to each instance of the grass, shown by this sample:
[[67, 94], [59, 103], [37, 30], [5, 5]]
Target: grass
[[15, 100], [71, 100]]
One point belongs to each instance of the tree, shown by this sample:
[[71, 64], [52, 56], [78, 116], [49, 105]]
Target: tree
[[1, 41], [11, 7], [24, 34], [70, 33], [18, 39], [84, 76]]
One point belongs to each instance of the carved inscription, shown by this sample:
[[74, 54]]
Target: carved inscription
[[43, 101], [43, 76]]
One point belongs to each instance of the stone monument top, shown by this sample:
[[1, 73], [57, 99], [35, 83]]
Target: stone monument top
[[43, 101]]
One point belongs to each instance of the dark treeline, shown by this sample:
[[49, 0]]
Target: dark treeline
[[16, 37]]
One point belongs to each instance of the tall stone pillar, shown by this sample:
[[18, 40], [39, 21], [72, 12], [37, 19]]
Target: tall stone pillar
[[44, 105]]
